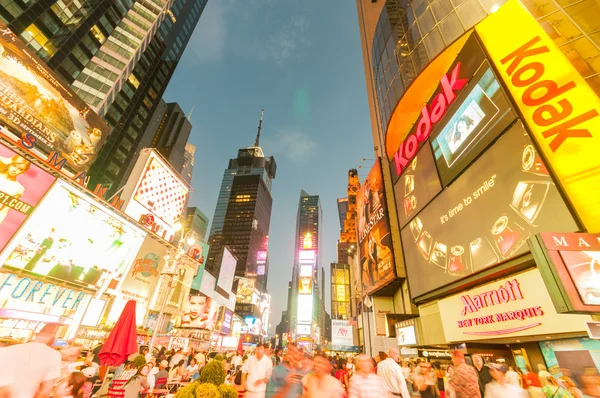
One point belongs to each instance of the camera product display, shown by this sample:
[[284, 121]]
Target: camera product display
[[424, 244], [482, 254], [509, 236], [410, 204], [532, 162], [458, 265], [416, 226], [409, 184], [528, 199], [439, 255]]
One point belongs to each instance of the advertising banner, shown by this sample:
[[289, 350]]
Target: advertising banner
[[341, 333], [245, 291], [40, 110], [305, 309], [577, 358], [141, 280], [405, 335], [178, 290], [570, 266], [155, 194], [226, 275], [199, 252], [72, 237], [510, 195], [199, 312], [510, 307], [374, 238], [558, 105], [22, 186]]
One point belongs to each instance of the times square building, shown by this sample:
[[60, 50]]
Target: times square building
[[485, 120]]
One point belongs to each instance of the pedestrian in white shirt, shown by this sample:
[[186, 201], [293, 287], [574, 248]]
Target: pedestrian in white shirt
[[499, 388], [175, 359], [29, 370], [392, 375], [513, 378], [256, 373]]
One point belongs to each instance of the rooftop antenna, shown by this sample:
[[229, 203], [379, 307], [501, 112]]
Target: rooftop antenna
[[189, 118], [262, 113]]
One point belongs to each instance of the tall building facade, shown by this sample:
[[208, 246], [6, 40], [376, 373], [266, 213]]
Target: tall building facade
[[188, 165], [465, 66], [118, 56], [243, 214], [308, 311], [197, 222]]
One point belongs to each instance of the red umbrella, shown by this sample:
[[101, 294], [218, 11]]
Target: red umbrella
[[121, 341], [240, 347]]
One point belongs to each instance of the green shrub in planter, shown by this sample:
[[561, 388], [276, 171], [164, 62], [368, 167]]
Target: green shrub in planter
[[228, 391], [140, 360], [207, 390], [219, 357], [213, 373], [188, 391]]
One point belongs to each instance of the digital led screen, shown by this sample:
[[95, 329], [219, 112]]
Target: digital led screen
[[481, 113], [305, 285], [245, 290], [509, 199], [74, 238], [306, 270], [303, 329], [305, 308], [406, 335], [374, 238], [199, 312], [40, 108], [417, 185], [227, 271], [307, 256], [22, 186]]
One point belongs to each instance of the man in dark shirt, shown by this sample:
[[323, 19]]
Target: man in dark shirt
[[484, 373]]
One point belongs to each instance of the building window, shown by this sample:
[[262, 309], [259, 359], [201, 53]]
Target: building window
[[98, 34], [133, 80]]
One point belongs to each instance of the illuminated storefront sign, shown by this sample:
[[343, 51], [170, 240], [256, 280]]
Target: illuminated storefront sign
[[570, 266], [155, 195], [42, 112], [42, 295], [510, 307], [559, 107], [52, 242], [429, 115], [341, 332]]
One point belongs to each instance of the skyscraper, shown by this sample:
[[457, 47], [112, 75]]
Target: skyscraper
[[188, 164], [307, 307], [118, 56], [197, 222], [243, 214]]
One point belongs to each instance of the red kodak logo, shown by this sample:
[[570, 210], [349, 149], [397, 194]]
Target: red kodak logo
[[429, 115]]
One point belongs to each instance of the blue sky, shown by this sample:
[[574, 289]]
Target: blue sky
[[301, 61]]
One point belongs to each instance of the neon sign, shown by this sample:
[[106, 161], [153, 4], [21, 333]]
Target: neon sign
[[429, 115], [26, 289]]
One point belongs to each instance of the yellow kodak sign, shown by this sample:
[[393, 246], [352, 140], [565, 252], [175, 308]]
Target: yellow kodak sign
[[560, 108]]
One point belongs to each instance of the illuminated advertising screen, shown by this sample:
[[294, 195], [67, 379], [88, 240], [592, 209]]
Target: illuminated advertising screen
[[305, 309], [570, 266], [226, 273], [306, 270], [141, 280], [481, 112], [374, 238], [416, 187], [245, 290], [577, 358], [74, 238], [199, 252], [155, 195], [252, 325], [226, 322], [511, 197], [406, 335], [199, 312], [305, 285], [341, 333], [307, 256], [37, 107], [22, 186]]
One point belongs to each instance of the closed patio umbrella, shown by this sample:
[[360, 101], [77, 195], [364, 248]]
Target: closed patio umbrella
[[121, 341]]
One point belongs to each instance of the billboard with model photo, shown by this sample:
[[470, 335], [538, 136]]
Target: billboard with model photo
[[374, 238], [22, 186], [199, 312], [74, 238], [35, 101], [510, 194]]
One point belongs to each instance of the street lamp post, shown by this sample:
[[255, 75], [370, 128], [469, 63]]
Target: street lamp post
[[170, 271]]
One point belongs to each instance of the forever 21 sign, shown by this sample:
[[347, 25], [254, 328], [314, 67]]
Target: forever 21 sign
[[430, 114]]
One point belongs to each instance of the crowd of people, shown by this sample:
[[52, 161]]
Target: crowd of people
[[35, 369]]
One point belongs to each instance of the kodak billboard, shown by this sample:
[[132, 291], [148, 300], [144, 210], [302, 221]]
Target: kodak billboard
[[556, 103]]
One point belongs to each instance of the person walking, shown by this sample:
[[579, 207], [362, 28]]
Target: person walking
[[365, 383], [543, 374], [513, 378], [285, 381], [342, 374], [320, 383], [391, 374], [483, 371], [425, 381], [553, 390], [464, 379], [29, 369], [256, 373], [499, 386]]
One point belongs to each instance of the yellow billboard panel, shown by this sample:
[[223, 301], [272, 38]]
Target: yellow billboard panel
[[557, 104]]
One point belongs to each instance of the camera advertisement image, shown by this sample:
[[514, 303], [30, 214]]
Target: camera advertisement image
[[481, 116], [416, 187], [374, 238], [510, 199]]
